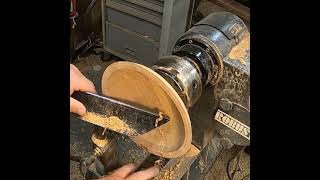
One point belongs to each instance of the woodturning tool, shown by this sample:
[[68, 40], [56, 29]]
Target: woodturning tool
[[118, 116]]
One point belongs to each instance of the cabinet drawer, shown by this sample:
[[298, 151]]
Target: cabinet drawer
[[135, 24], [131, 46], [135, 10], [155, 5]]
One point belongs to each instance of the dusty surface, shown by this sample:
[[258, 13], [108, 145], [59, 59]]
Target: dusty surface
[[92, 67], [219, 169], [80, 145], [175, 169], [207, 7], [239, 51], [74, 171]]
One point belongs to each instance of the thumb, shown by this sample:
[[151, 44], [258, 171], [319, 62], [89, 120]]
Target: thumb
[[124, 171], [77, 107]]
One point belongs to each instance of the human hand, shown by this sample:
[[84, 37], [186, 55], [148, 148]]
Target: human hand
[[78, 82], [127, 173]]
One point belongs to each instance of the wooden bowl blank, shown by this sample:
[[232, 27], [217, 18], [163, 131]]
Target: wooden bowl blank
[[139, 85]]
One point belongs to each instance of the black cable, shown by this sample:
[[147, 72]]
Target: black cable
[[230, 177], [245, 176], [215, 161]]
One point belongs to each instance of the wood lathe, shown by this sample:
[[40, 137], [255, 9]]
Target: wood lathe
[[203, 87]]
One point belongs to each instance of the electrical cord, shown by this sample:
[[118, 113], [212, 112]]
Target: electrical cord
[[246, 176], [238, 155]]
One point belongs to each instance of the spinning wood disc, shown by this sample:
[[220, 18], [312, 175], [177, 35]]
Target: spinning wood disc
[[139, 85]]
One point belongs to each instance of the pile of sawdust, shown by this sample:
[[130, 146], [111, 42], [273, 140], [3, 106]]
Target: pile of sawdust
[[112, 123], [171, 173], [239, 51]]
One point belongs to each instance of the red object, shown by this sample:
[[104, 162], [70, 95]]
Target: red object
[[73, 9]]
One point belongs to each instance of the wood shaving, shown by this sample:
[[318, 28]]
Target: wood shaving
[[171, 173], [159, 119]]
